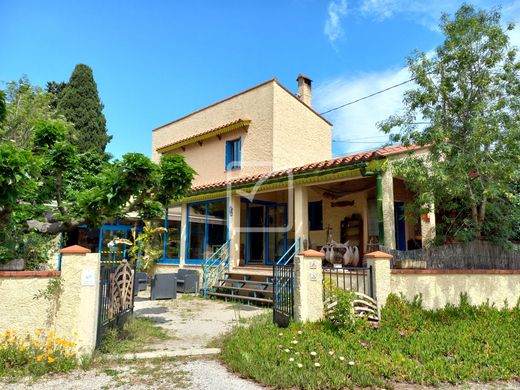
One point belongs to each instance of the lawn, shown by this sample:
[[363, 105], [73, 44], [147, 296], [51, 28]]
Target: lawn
[[456, 344]]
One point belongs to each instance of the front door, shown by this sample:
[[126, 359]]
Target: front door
[[266, 239]]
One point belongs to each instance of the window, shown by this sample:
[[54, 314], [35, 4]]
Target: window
[[207, 229], [316, 215], [233, 154], [169, 242]]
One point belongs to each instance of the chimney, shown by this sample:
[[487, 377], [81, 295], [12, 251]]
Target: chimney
[[304, 89]]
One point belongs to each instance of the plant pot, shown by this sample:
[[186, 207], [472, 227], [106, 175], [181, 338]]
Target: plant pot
[[13, 265]]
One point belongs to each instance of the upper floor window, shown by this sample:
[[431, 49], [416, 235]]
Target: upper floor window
[[233, 154]]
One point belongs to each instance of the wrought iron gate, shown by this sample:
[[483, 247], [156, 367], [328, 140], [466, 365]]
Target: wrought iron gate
[[283, 296], [116, 296]]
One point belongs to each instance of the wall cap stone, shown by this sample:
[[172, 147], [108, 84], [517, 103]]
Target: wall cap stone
[[75, 249], [29, 274], [378, 255], [456, 271], [311, 253]]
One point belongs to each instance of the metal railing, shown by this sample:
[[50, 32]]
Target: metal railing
[[288, 256], [355, 279], [215, 266]]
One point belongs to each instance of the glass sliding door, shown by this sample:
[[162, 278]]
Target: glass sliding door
[[207, 229], [216, 227], [276, 240]]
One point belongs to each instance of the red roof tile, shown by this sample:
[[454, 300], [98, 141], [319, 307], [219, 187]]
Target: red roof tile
[[332, 163]]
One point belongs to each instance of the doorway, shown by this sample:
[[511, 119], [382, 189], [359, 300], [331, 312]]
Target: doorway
[[266, 239]]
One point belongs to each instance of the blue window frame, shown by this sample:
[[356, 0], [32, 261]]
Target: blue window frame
[[171, 239], [316, 215], [233, 154], [206, 229]]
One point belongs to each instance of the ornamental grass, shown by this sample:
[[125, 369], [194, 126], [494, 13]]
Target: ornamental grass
[[35, 354]]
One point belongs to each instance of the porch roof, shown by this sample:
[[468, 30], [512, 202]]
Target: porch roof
[[316, 168]]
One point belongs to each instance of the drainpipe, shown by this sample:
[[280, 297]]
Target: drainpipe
[[379, 192]]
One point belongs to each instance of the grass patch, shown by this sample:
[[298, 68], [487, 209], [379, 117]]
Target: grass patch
[[456, 344], [136, 334]]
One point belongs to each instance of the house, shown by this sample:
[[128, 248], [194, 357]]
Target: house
[[267, 185]]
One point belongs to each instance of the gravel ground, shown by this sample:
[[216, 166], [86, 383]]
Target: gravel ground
[[191, 375]]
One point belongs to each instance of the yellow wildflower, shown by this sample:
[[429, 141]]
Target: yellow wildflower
[[39, 358], [50, 360], [50, 351], [21, 349]]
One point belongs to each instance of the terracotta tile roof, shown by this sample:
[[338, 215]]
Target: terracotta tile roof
[[205, 134], [326, 164]]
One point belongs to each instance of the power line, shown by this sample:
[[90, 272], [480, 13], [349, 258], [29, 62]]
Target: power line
[[368, 96]]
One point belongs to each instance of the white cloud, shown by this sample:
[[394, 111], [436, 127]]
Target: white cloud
[[356, 124], [337, 9], [427, 13]]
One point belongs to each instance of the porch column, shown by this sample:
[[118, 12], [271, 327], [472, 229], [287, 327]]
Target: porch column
[[428, 227], [234, 230], [388, 208], [184, 237], [301, 216]]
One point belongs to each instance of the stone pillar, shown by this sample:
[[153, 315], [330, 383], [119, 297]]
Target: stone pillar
[[234, 229], [388, 208], [184, 225], [301, 216], [308, 289], [79, 301], [380, 263], [428, 227]]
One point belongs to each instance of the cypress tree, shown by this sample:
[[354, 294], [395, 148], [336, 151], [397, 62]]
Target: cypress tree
[[81, 105]]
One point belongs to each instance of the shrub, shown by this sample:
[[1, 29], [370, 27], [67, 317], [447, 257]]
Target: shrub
[[36, 354]]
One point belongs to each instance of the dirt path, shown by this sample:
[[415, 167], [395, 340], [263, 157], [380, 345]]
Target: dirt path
[[183, 362], [193, 322]]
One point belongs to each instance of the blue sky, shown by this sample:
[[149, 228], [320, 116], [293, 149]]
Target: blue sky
[[155, 61]]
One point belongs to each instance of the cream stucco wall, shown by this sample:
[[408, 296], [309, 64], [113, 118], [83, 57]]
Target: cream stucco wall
[[209, 159], [71, 314], [283, 133], [300, 136], [438, 289], [332, 216]]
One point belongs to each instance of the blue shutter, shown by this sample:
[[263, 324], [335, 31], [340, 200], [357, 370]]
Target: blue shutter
[[238, 152], [229, 154]]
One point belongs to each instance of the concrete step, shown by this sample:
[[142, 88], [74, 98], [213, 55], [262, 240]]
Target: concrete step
[[268, 291], [241, 297]]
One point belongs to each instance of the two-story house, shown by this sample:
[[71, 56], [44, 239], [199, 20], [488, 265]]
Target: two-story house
[[267, 185]]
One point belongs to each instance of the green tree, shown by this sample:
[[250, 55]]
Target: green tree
[[469, 93], [26, 104], [80, 103], [56, 89]]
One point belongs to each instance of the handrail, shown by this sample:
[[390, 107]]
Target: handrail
[[215, 265], [291, 252]]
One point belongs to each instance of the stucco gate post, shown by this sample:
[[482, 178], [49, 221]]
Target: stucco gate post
[[80, 272], [380, 263], [308, 287]]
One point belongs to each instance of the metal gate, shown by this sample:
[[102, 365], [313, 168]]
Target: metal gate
[[283, 296], [116, 296]]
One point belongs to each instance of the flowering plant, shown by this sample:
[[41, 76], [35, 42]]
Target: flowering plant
[[35, 354]]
